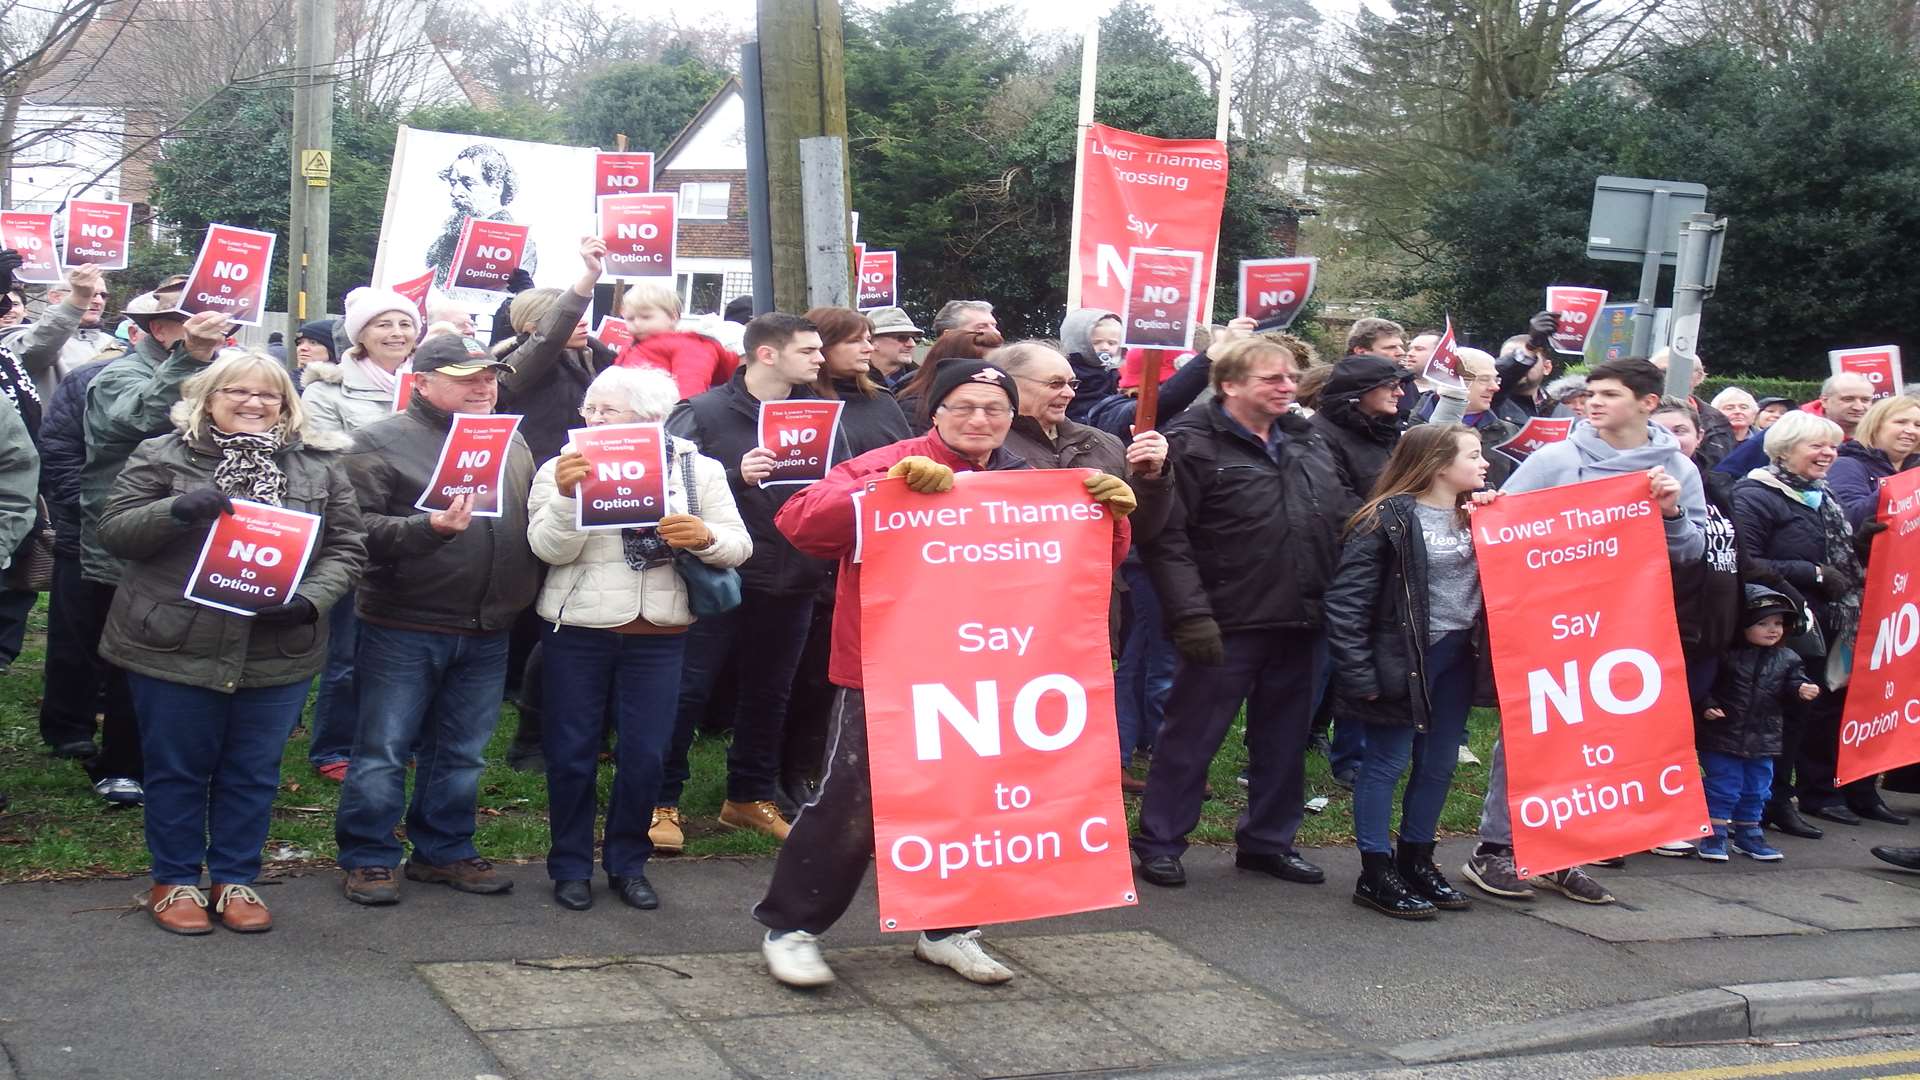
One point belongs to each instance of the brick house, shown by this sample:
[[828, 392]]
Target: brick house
[[707, 164]]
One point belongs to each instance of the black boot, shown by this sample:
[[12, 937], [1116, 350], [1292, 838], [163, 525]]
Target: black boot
[[1415, 863], [1381, 889]]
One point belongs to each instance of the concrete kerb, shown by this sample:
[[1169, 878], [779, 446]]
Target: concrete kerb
[[1744, 1011]]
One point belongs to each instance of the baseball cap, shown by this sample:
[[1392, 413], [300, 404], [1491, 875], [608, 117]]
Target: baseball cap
[[455, 356]]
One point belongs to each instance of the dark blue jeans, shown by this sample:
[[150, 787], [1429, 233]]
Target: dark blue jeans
[[639, 674], [213, 765], [1147, 661], [439, 693], [1736, 787], [1433, 753], [768, 633], [334, 715]]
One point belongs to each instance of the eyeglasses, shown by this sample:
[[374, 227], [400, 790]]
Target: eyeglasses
[[240, 397], [991, 412], [608, 411], [1055, 385], [1275, 380]]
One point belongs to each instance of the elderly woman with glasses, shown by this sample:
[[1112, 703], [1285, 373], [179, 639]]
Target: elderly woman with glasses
[[218, 692], [619, 612]]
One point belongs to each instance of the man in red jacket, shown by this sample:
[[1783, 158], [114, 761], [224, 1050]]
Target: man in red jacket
[[825, 856]]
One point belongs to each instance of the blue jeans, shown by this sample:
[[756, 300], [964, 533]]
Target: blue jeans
[[639, 674], [213, 765], [334, 716], [437, 692], [1433, 753], [1147, 659], [1736, 787]]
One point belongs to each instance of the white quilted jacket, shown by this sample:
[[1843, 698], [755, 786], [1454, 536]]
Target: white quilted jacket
[[590, 583]]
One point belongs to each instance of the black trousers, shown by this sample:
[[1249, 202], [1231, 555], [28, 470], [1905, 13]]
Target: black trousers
[[810, 708], [75, 674], [767, 634], [120, 754], [824, 859]]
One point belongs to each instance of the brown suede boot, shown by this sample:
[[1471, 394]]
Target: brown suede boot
[[241, 910], [179, 909]]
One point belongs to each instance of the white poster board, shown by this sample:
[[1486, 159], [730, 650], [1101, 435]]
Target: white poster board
[[440, 179]]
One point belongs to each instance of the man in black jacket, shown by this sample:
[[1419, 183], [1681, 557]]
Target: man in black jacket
[[1240, 567], [768, 631]]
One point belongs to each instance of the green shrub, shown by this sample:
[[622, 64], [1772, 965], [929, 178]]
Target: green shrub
[[1799, 390]]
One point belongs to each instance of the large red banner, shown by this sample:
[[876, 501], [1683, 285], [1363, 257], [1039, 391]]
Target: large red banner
[[487, 255], [31, 235], [253, 557], [1880, 728], [1879, 363], [1594, 710], [230, 274], [1140, 192], [99, 233], [473, 462], [1579, 311], [1273, 291], [800, 434], [639, 233], [627, 485], [622, 173], [989, 698]]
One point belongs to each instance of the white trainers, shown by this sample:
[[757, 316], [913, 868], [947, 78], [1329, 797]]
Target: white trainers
[[794, 958], [962, 953], [120, 791], [1466, 756]]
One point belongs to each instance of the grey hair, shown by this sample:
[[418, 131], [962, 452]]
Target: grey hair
[[1016, 358], [1731, 395], [1797, 427], [649, 392], [953, 311], [1833, 382]]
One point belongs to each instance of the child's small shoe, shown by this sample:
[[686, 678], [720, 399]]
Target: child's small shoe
[[1748, 840], [1713, 848]]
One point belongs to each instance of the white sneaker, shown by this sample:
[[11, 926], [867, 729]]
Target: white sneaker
[[1467, 757], [120, 791], [1679, 849], [793, 958], [962, 953]]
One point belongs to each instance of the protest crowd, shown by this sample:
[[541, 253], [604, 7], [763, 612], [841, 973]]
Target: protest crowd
[[1292, 542]]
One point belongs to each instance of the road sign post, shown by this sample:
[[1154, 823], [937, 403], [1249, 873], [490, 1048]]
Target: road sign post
[[1639, 221]]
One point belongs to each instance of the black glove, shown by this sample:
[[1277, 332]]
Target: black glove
[[1834, 582], [1868, 529], [10, 261], [297, 611], [1198, 639], [204, 504], [1541, 328]]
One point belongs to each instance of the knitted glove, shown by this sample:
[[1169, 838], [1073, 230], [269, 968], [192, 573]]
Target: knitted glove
[[923, 474], [1113, 491], [1198, 639]]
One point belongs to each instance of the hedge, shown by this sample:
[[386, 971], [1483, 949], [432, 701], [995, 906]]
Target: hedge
[[1799, 390]]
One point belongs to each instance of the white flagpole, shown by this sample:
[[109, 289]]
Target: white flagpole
[[1089, 73], [1220, 132]]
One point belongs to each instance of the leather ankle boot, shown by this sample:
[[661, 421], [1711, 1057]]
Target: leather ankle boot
[[1381, 889], [1415, 863]]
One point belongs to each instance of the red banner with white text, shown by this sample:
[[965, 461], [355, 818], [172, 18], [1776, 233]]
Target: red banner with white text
[[989, 699], [1880, 728], [1594, 712], [1142, 192]]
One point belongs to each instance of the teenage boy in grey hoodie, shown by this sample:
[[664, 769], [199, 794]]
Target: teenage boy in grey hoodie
[[1618, 436]]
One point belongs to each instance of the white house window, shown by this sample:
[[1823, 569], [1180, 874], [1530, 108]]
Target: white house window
[[703, 200]]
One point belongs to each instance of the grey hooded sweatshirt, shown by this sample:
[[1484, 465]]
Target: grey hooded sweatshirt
[[1097, 381], [1585, 456]]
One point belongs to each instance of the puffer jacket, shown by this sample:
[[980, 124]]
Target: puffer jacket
[[63, 454], [820, 521], [1251, 540], [1707, 593], [1856, 475], [476, 581], [590, 583], [725, 423], [1079, 446], [130, 401], [549, 380], [1781, 533], [1754, 689], [1377, 623], [1361, 444], [154, 630], [697, 362], [338, 397], [1115, 413]]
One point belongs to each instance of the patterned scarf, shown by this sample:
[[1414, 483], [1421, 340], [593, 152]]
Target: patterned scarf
[[247, 469], [1843, 615], [643, 547]]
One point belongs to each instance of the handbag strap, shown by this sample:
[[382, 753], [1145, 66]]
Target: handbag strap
[[686, 477]]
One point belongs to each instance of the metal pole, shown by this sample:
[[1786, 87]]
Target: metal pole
[[1691, 283], [1655, 244], [759, 234]]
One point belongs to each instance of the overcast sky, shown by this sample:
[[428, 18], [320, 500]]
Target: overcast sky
[[1065, 16]]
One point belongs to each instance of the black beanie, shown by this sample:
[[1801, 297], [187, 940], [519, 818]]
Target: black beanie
[[957, 373]]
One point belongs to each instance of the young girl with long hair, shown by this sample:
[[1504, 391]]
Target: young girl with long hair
[[1407, 631]]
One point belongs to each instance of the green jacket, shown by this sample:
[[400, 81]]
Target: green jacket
[[154, 630], [19, 480], [476, 581], [129, 402]]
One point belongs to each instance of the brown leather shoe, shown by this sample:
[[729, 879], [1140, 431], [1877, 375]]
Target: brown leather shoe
[[372, 886], [761, 817], [241, 910], [467, 875], [179, 909]]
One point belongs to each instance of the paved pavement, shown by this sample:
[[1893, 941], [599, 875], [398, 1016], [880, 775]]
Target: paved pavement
[[1236, 973]]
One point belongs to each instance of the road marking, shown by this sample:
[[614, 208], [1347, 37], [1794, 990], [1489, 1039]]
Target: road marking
[[1791, 1068]]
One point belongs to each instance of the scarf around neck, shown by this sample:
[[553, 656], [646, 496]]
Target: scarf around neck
[[247, 469]]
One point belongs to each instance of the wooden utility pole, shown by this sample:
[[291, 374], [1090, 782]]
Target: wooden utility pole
[[310, 209], [803, 87]]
